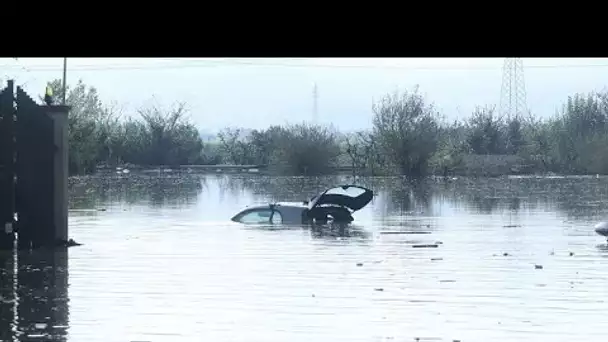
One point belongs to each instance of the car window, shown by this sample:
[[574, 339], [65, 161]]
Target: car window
[[261, 216]]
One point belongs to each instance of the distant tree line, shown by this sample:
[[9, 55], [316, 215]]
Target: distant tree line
[[407, 136]]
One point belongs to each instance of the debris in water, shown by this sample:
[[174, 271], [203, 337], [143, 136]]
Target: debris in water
[[511, 226], [505, 254], [40, 326], [379, 289], [426, 246], [102, 209], [538, 267], [360, 264], [403, 232], [36, 336], [436, 259], [60, 327], [313, 295], [571, 253], [447, 281]]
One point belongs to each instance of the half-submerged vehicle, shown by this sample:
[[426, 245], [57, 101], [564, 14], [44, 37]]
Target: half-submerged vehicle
[[335, 205], [602, 229]]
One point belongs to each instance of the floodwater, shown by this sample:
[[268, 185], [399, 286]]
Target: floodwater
[[505, 259]]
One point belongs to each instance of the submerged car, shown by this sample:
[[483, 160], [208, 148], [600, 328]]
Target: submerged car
[[334, 204], [602, 229]]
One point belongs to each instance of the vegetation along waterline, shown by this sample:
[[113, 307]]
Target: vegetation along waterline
[[407, 136]]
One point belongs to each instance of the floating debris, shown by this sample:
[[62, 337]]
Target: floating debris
[[36, 336], [359, 264], [511, 226], [60, 327], [571, 253], [426, 246], [505, 254], [436, 259], [379, 289], [538, 267], [402, 232]]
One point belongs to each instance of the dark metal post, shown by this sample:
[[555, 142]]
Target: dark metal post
[[7, 165], [59, 114]]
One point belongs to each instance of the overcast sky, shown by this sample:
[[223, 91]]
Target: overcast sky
[[255, 93]]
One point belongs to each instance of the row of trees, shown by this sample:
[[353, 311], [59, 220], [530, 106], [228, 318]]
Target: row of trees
[[408, 136], [99, 134]]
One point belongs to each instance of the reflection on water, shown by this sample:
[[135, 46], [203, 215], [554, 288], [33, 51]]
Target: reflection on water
[[34, 296], [506, 259], [87, 192]]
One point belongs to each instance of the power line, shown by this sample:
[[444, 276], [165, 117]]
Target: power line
[[19, 67]]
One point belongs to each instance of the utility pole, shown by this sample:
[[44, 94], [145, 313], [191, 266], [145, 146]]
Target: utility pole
[[65, 71], [315, 96]]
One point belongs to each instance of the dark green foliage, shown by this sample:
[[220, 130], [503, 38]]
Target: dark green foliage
[[484, 132], [300, 149], [98, 136], [407, 138], [363, 153], [514, 136], [305, 149], [406, 130]]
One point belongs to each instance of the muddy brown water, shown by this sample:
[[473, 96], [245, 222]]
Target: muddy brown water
[[505, 259]]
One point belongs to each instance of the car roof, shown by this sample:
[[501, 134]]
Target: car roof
[[278, 204]]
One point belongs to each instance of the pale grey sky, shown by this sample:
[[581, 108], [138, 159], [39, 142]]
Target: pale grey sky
[[255, 93]]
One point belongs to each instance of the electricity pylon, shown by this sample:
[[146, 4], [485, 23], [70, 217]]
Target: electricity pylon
[[513, 90]]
